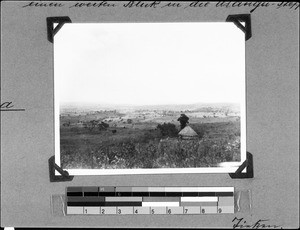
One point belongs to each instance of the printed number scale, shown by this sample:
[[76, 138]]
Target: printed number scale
[[149, 200]]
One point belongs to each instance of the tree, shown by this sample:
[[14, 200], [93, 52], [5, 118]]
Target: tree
[[184, 120]]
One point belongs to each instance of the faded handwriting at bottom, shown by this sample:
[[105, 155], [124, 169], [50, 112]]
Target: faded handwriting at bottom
[[260, 224]]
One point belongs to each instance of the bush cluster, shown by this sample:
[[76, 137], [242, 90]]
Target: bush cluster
[[168, 129]]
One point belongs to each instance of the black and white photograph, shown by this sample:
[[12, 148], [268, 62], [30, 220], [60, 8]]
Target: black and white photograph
[[149, 97], [149, 114]]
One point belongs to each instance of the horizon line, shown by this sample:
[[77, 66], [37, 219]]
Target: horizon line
[[136, 105]]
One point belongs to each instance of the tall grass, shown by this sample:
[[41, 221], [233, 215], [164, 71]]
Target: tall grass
[[207, 151]]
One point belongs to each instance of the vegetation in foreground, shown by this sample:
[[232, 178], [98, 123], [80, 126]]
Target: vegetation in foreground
[[146, 147]]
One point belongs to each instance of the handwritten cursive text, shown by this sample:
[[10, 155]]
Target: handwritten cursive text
[[241, 223], [8, 106]]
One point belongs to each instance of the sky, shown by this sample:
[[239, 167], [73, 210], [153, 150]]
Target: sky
[[149, 63]]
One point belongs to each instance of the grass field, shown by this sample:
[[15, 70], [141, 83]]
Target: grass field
[[141, 145]]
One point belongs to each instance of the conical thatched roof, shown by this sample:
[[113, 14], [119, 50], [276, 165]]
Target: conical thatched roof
[[187, 132]]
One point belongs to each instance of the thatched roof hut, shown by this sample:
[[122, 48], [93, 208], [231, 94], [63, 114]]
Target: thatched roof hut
[[187, 133]]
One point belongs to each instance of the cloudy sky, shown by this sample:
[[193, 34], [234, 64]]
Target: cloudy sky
[[149, 63]]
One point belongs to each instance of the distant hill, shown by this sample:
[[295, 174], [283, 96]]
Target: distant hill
[[196, 107]]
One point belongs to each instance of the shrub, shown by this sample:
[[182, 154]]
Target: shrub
[[103, 126], [168, 129]]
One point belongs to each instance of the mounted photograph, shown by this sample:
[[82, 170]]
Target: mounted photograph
[[149, 98]]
